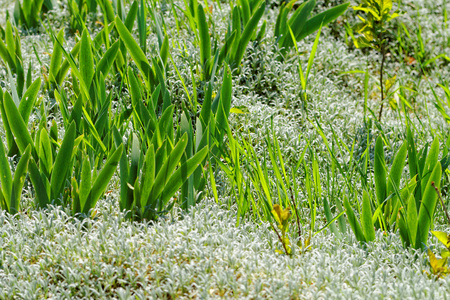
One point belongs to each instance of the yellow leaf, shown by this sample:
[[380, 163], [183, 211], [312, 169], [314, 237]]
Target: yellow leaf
[[281, 215], [438, 266], [239, 110], [390, 82], [235, 110], [392, 16], [443, 238], [289, 250], [393, 104], [285, 215], [385, 5], [276, 211], [307, 243], [361, 18]]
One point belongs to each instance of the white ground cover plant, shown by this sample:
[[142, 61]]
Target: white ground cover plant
[[200, 254], [203, 253]]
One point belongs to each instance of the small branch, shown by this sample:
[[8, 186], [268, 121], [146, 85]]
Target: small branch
[[383, 57], [442, 202], [279, 237], [296, 213]]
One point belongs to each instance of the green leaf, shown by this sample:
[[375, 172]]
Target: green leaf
[[16, 90], [322, 19], [226, 48], [369, 10], [93, 130], [133, 12], [430, 162], [427, 209], [404, 231], [123, 165], [9, 38], [135, 92], [136, 52], [103, 178], [224, 106], [18, 126], [19, 179], [411, 218], [397, 169], [57, 54], [108, 59], [205, 43], [142, 25], [327, 210], [65, 66], [148, 176], [4, 54], [247, 34], [164, 52], [312, 54], [205, 112], [40, 185], [11, 144], [366, 218], [5, 176], [380, 171], [341, 221], [412, 154], [298, 21], [165, 125], [85, 183], [45, 153], [28, 101], [165, 173], [74, 69], [354, 224], [134, 167], [63, 160], [86, 60], [236, 27], [280, 24], [245, 9], [180, 175]]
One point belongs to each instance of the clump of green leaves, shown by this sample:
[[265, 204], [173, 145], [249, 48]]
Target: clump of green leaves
[[299, 25], [87, 189], [410, 209], [372, 32], [28, 13], [154, 173], [11, 54], [364, 231]]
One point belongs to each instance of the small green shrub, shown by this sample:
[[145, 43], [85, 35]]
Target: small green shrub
[[371, 33]]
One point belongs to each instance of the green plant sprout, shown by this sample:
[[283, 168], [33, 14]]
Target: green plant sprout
[[372, 33], [282, 217]]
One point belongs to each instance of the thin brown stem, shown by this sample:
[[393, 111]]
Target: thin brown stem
[[383, 58], [442, 202], [280, 238], [296, 213]]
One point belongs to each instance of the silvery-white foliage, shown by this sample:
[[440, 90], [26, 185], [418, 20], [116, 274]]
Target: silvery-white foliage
[[202, 254]]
